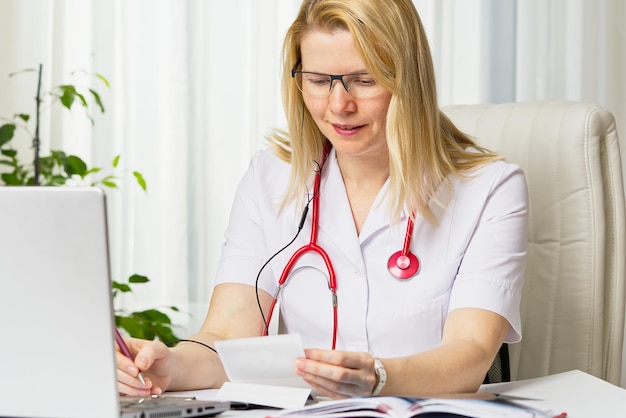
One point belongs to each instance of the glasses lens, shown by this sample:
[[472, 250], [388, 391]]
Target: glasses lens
[[361, 85], [313, 84], [320, 85]]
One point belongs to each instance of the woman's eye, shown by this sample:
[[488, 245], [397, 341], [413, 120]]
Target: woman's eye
[[319, 81], [364, 82]]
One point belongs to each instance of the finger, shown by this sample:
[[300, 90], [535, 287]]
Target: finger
[[330, 388], [349, 359], [130, 385], [137, 344], [133, 391], [150, 353], [128, 374], [361, 363], [122, 361], [125, 360], [323, 391], [333, 381], [126, 365]]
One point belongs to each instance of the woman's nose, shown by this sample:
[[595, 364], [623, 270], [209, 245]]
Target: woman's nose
[[339, 100]]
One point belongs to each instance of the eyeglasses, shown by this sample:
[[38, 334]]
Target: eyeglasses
[[358, 85]]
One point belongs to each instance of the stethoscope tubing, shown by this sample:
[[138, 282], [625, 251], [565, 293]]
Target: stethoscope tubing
[[314, 247], [402, 264]]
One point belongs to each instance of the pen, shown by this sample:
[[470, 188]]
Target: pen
[[124, 349]]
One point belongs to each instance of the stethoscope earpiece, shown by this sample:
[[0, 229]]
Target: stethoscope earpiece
[[403, 266]]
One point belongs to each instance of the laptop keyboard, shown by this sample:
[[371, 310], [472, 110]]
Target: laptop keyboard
[[152, 401], [169, 406]]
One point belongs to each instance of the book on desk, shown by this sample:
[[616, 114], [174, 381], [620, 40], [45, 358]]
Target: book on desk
[[577, 393], [470, 406]]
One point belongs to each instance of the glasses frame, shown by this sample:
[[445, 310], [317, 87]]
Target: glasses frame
[[333, 77]]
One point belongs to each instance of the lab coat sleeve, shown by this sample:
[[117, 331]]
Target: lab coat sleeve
[[491, 273], [245, 248]]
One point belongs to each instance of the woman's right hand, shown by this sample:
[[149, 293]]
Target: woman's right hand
[[153, 359]]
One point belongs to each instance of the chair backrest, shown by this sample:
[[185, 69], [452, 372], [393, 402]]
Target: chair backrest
[[573, 300]]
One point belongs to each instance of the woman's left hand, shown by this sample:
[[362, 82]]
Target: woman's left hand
[[338, 374]]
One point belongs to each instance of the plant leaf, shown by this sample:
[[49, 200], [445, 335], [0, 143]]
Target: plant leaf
[[25, 117], [58, 180], [138, 278], [83, 101], [9, 152], [68, 95], [6, 133], [59, 156], [164, 333], [110, 184], [10, 179], [27, 70], [140, 180], [122, 287], [47, 164], [93, 170], [131, 325], [154, 315], [103, 78], [97, 99], [116, 161], [75, 165]]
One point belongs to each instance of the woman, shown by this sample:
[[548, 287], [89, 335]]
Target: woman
[[360, 99]]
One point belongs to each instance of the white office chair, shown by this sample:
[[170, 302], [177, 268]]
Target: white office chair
[[574, 295]]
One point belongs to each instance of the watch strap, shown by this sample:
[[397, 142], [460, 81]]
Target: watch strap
[[381, 376]]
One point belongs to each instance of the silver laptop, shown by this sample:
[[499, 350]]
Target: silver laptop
[[57, 355]]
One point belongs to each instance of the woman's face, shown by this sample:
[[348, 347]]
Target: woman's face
[[355, 126]]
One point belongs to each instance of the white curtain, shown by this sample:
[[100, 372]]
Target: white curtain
[[195, 90], [195, 87]]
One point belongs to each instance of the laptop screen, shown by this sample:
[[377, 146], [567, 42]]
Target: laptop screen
[[56, 316]]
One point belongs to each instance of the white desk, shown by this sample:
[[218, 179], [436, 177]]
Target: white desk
[[577, 393]]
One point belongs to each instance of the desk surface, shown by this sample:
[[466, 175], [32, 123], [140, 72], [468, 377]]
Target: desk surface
[[578, 394]]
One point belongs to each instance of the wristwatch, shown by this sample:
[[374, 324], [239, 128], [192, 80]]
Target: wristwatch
[[381, 376]]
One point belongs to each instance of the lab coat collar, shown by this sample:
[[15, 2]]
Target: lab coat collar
[[335, 214]]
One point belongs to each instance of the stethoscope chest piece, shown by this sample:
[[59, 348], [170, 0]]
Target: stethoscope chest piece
[[403, 266]]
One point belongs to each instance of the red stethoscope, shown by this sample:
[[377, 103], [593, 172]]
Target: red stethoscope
[[402, 264]]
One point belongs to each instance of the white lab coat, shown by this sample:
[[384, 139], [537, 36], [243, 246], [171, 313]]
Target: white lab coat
[[474, 257]]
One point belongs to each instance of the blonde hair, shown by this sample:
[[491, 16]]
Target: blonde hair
[[425, 148]]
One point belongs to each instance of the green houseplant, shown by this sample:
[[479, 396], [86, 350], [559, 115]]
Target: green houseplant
[[59, 169]]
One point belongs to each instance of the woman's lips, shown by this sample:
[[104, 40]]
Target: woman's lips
[[347, 130]]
